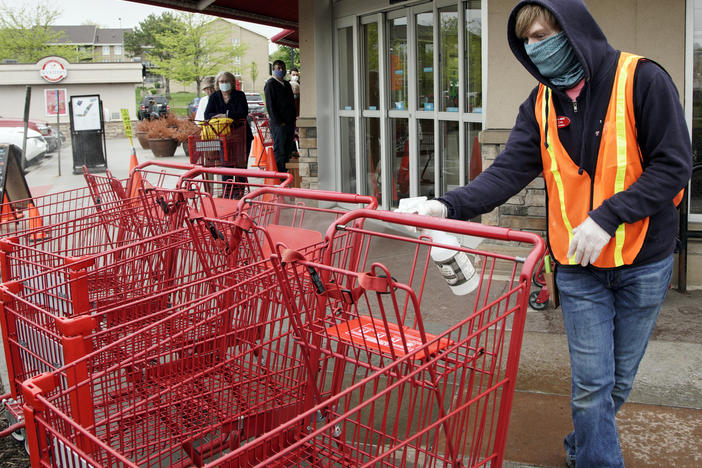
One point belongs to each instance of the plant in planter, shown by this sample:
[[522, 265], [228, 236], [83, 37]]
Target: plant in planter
[[186, 127], [162, 137], [140, 131]]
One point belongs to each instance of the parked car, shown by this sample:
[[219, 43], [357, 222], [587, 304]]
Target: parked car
[[255, 102], [36, 144], [41, 126], [192, 108], [161, 106]]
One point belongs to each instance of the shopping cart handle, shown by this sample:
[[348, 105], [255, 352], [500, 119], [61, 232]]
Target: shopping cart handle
[[284, 177], [441, 224], [165, 164], [322, 195]]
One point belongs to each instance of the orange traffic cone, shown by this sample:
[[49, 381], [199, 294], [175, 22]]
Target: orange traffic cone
[[257, 152], [36, 225], [134, 177], [270, 166], [8, 213]]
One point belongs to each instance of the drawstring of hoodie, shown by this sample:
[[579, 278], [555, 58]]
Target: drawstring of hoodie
[[548, 106], [581, 156]]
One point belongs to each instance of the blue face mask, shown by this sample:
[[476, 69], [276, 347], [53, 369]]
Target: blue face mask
[[225, 86], [279, 74], [555, 58]]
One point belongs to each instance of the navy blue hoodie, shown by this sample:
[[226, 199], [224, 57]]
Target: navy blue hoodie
[[662, 136]]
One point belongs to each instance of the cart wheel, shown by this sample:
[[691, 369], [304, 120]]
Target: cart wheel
[[534, 303], [20, 436], [538, 277]]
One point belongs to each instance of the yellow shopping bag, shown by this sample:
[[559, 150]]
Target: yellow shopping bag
[[214, 128]]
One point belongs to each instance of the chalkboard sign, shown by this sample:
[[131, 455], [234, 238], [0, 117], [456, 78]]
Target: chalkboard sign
[[13, 185]]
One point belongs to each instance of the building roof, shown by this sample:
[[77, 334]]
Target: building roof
[[110, 35], [84, 34], [279, 13]]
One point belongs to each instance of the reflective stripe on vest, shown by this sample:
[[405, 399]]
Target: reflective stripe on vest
[[618, 166]]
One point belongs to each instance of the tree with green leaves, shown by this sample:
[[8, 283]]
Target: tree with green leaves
[[253, 71], [26, 34], [145, 40], [289, 55], [195, 51]]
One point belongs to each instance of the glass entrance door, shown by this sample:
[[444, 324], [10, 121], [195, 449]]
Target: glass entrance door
[[407, 121]]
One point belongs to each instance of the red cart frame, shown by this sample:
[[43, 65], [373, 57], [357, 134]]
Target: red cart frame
[[304, 391]]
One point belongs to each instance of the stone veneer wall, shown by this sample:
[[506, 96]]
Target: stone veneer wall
[[524, 211], [309, 174]]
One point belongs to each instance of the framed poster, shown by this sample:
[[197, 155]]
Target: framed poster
[[86, 113], [51, 103]]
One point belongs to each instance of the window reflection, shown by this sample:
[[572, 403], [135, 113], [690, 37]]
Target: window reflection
[[397, 38], [425, 130], [696, 182], [348, 155], [450, 169], [448, 40], [372, 154], [473, 57], [474, 159], [370, 68], [399, 140], [425, 61], [346, 75]]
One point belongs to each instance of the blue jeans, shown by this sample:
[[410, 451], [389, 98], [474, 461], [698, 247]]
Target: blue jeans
[[609, 316]]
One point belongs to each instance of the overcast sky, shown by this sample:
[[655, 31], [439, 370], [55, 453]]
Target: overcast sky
[[113, 13]]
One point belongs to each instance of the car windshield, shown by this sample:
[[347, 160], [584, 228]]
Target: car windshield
[[253, 97], [157, 99]]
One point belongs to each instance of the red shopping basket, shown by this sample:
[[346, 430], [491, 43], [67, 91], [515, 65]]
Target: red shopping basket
[[225, 150]]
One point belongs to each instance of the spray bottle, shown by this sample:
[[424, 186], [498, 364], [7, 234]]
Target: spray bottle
[[454, 265]]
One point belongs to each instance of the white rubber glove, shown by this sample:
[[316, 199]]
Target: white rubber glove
[[588, 241], [433, 208]]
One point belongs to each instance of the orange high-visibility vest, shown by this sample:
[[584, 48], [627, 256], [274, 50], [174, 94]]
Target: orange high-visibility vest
[[618, 166]]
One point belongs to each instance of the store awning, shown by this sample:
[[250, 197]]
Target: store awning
[[278, 13], [287, 37]]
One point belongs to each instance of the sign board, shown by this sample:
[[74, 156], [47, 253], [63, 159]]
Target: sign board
[[51, 103], [53, 71], [127, 122], [13, 185], [86, 113]]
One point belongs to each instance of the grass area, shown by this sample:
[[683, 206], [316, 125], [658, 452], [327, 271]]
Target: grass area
[[179, 102], [181, 99]]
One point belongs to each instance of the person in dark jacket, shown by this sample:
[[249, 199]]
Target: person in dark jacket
[[280, 104], [607, 130]]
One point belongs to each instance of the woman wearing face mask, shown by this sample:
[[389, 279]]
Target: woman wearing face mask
[[608, 133], [228, 102]]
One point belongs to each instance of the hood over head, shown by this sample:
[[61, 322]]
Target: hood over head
[[581, 29]]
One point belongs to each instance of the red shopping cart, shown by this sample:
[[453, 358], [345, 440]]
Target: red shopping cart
[[220, 148], [38, 212], [401, 394], [57, 284], [313, 389]]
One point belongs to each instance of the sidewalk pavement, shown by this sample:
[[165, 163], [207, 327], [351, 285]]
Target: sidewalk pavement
[[660, 426]]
